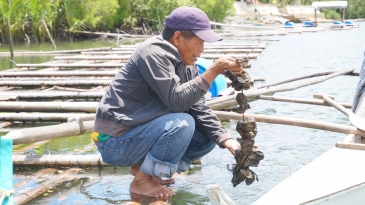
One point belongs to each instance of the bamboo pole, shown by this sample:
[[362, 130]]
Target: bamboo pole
[[5, 124], [126, 57], [25, 53], [49, 34], [58, 73], [206, 50], [36, 134], [41, 174], [355, 146], [70, 65], [345, 129], [223, 102], [112, 34], [297, 78], [10, 37], [41, 117], [52, 78], [91, 82], [107, 53], [89, 107], [51, 95], [216, 46], [81, 161], [22, 150], [28, 195], [85, 57], [31, 135], [297, 100], [233, 55], [73, 89]]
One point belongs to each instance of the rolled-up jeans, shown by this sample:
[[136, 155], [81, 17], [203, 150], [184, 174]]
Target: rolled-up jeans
[[163, 146]]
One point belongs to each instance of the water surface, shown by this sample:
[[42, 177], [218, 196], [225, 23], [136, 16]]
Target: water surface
[[286, 148]]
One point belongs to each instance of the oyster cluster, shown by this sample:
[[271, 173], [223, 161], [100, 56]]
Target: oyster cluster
[[246, 157], [239, 82], [243, 61], [242, 104]]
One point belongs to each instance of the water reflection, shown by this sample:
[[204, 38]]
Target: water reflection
[[286, 148]]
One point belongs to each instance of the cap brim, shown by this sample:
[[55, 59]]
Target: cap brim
[[207, 35]]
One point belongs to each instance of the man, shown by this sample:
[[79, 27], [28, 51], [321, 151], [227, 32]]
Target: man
[[153, 117]]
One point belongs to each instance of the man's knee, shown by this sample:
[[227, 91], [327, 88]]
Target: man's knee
[[186, 123]]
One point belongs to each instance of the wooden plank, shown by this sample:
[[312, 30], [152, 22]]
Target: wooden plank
[[48, 107], [59, 161], [66, 65], [354, 146], [58, 73], [28, 195]]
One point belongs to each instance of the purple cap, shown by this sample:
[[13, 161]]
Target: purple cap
[[193, 19]]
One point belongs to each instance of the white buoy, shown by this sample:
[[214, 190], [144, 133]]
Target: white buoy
[[217, 196]]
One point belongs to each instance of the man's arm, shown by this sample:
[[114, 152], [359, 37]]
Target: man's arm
[[211, 126]]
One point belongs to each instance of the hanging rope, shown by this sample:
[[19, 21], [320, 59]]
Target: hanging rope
[[5, 193]]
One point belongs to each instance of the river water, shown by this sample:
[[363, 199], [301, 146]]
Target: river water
[[286, 148]]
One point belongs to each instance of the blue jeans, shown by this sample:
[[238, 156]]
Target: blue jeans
[[163, 146]]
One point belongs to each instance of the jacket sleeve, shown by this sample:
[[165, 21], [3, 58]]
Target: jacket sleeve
[[158, 66], [208, 123]]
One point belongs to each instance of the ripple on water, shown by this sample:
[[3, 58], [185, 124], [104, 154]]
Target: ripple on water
[[286, 148]]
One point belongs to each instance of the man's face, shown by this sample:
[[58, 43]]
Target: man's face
[[190, 49]]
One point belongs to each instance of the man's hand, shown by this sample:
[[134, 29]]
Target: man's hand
[[219, 66], [232, 145], [226, 63]]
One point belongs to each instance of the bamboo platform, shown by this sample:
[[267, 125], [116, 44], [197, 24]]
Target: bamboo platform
[[65, 92]]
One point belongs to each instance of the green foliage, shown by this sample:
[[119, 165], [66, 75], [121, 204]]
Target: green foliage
[[334, 14], [27, 16], [355, 9], [216, 10], [123, 13], [91, 14], [306, 2]]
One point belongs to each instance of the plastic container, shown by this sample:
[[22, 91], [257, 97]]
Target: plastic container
[[289, 24], [218, 85], [308, 24], [6, 167], [349, 23]]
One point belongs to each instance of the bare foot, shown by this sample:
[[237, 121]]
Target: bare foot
[[144, 185], [135, 168]]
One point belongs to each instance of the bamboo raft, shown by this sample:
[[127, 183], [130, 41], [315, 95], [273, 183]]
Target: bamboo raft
[[66, 91]]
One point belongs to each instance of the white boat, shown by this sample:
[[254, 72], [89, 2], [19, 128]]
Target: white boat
[[337, 177], [334, 178]]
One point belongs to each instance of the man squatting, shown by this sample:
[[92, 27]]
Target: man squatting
[[153, 116]]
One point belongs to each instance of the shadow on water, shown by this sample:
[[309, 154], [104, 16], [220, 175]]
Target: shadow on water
[[7, 62], [109, 186], [286, 148]]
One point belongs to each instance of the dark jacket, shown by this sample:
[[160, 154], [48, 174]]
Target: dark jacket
[[153, 83]]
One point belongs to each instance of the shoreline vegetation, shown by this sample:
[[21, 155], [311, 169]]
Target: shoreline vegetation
[[34, 22]]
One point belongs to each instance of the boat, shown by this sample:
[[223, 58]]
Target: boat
[[338, 25], [349, 23], [289, 24], [334, 178], [309, 24]]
